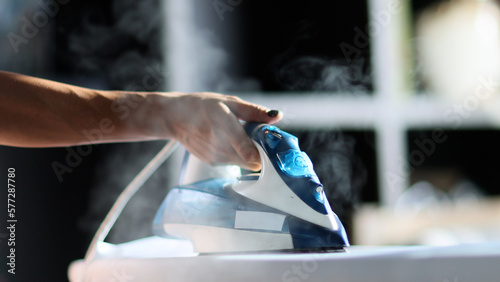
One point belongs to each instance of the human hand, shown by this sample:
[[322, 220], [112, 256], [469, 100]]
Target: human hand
[[56, 114], [208, 125]]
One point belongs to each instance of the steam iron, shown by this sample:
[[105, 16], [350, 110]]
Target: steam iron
[[282, 208]]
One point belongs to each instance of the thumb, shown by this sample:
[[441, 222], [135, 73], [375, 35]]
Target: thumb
[[247, 111]]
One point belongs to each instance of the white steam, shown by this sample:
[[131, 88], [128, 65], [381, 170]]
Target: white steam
[[123, 49]]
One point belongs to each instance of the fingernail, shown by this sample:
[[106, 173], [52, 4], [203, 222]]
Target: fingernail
[[273, 113]]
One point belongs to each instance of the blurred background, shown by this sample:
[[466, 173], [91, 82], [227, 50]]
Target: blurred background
[[395, 101]]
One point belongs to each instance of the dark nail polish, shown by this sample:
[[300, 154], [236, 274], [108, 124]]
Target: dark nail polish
[[273, 113]]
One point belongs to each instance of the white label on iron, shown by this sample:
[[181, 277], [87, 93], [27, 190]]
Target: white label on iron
[[259, 220]]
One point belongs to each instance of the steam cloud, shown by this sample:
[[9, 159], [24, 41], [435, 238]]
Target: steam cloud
[[297, 69], [309, 73], [340, 169], [100, 48], [122, 50], [216, 67], [122, 164]]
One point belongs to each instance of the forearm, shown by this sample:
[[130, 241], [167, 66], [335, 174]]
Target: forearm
[[41, 113]]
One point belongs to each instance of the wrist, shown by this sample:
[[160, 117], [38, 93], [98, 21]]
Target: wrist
[[143, 115]]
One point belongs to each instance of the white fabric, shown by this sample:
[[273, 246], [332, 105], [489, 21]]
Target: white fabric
[[158, 259]]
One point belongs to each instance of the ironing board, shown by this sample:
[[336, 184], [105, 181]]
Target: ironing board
[[160, 259]]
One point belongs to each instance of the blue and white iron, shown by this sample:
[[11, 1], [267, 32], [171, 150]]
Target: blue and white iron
[[282, 208]]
